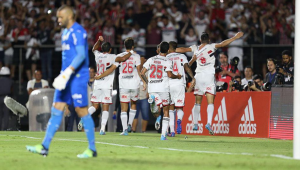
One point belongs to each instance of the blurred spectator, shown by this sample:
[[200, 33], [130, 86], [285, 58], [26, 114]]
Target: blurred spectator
[[20, 36], [190, 37], [45, 52], [140, 40], [228, 71], [168, 29], [109, 32], [273, 76], [5, 90], [201, 22], [174, 13], [287, 68], [248, 72], [153, 37], [32, 55], [36, 83]]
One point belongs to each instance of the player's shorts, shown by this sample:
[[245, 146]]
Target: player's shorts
[[177, 94], [161, 98], [129, 94], [102, 96], [205, 83], [75, 91]]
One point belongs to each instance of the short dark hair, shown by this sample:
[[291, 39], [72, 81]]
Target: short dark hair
[[272, 59], [224, 53], [204, 37], [249, 67], [129, 43], [236, 77], [173, 44], [286, 52], [257, 76], [106, 46], [164, 47]]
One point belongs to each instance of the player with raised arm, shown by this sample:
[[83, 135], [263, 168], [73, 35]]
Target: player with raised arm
[[205, 74], [129, 83], [160, 70], [71, 84], [177, 86], [102, 92]]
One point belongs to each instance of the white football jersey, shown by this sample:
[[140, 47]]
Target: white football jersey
[[129, 77], [158, 80], [205, 58], [104, 62], [178, 61]]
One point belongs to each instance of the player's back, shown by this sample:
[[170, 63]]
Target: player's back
[[158, 80], [205, 58], [104, 61], [128, 73], [178, 61], [71, 38]]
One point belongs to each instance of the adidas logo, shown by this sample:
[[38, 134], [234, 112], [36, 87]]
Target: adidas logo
[[190, 125], [248, 127], [221, 127]]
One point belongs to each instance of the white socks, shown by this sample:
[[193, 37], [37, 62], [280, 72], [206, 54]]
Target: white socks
[[131, 116], [124, 120], [196, 113], [180, 114], [104, 119], [172, 120], [91, 110], [210, 112], [165, 123]]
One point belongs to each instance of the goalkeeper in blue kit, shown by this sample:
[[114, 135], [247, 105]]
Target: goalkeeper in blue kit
[[71, 84]]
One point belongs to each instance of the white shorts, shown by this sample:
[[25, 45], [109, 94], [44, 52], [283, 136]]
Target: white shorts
[[177, 94], [161, 98], [129, 94], [102, 96], [205, 83]]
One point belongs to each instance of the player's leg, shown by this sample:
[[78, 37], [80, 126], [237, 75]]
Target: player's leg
[[135, 120], [106, 99], [91, 110], [134, 96], [210, 111], [196, 111], [178, 100], [172, 120], [155, 108], [165, 101], [80, 101], [124, 99], [145, 113]]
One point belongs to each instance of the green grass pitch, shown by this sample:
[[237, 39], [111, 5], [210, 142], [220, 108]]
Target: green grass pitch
[[146, 151]]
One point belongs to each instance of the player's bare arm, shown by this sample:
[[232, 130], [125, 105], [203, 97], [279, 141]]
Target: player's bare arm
[[124, 58], [230, 40], [139, 72], [183, 50], [143, 75], [106, 72], [192, 60], [173, 76], [98, 43]]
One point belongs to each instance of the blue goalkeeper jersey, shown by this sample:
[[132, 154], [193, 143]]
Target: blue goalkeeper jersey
[[75, 36]]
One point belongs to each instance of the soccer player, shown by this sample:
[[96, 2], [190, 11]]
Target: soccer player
[[205, 74], [102, 92], [71, 84], [160, 70], [177, 86], [129, 83]]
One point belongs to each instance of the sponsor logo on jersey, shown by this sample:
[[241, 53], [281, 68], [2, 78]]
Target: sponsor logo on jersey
[[248, 127], [106, 98], [94, 97], [127, 77], [221, 127], [165, 101], [124, 97], [76, 96], [65, 47], [157, 62], [190, 125], [156, 81]]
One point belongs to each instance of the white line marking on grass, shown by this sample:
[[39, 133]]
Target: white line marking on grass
[[170, 149]]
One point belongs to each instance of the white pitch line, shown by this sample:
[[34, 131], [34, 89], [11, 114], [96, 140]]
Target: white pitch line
[[170, 149]]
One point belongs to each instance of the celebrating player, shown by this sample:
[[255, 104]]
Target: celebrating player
[[71, 84], [205, 74], [129, 83], [177, 86], [102, 93], [160, 70]]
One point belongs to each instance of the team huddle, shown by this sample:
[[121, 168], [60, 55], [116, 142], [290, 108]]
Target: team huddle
[[164, 77], [163, 74]]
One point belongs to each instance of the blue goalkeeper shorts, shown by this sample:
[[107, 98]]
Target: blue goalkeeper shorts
[[75, 91]]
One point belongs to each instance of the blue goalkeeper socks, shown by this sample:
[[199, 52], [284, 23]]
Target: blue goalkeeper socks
[[53, 125], [89, 126]]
